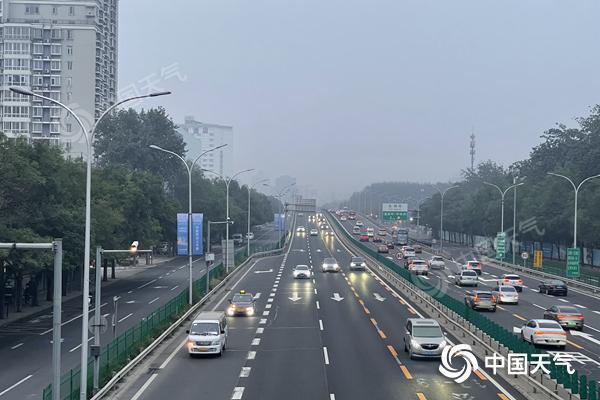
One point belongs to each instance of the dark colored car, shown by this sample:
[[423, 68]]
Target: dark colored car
[[566, 316], [390, 245], [418, 249], [364, 238], [382, 249], [553, 286]]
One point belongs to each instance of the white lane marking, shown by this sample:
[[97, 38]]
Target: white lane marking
[[174, 287], [125, 317], [272, 295], [245, 372], [596, 312], [265, 313], [260, 330], [131, 291], [579, 305], [563, 300], [238, 392], [263, 321], [226, 294], [255, 342], [153, 300], [15, 385], [72, 319], [320, 324], [79, 345], [315, 290], [269, 305], [326, 355], [173, 353], [270, 300], [331, 395], [257, 296], [424, 277], [318, 307], [592, 328], [534, 290], [16, 346], [146, 284], [137, 394], [251, 355], [543, 308]]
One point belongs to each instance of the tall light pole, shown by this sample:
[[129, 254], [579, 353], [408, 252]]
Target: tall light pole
[[442, 195], [250, 187], [576, 189], [514, 236], [189, 168], [279, 196], [502, 194], [89, 138]]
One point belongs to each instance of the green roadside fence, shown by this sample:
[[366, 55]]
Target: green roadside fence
[[578, 384]]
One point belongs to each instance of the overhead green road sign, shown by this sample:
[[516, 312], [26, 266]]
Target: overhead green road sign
[[394, 211], [500, 245], [573, 257]]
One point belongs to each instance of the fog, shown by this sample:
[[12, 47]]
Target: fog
[[340, 94]]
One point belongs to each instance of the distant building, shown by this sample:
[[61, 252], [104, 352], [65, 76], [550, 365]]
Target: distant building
[[65, 50], [202, 136]]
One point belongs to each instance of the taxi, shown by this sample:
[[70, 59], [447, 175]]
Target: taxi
[[242, 303]]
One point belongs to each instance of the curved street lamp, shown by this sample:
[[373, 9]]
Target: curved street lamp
[[89, 138], [502, 195], [189, 169]]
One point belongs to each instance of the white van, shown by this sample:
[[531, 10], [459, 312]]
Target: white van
[[207, 334]]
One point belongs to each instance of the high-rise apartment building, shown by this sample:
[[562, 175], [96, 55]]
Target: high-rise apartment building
[[62, 49], [202, 136]]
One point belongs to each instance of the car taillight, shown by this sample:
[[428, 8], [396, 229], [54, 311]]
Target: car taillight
[[476, 299], [550, 333], [493, 299], [506, 280], [561, 316], [520, 281]]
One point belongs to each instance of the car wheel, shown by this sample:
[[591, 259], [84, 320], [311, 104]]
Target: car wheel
[[410, 354], [523, 336], [561, 347], [494, 309], [405, 348]]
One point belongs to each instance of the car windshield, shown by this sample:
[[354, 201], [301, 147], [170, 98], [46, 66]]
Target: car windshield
[[204, 328], [483, 294], [507, 289], [242, 298], [329, 260], [437, 259], [427, 331], [512, 277], [301, 267], [555, 282], [469, 273], [357, 259], [568, 310], [549, 325]]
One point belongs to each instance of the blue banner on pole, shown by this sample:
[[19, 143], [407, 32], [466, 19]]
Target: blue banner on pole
[[197, 220], [182, 234], [279, 220]]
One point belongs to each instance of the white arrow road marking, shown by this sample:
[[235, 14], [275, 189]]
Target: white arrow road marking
[[294, 297], [263, 272], [378, 297], [336, 297], [587, 336]]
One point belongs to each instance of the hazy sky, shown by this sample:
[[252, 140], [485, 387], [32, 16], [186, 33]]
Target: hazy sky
[[342, 93]]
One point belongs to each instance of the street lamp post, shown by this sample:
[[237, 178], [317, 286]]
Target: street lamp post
[[443, 194], [502, 194], [279, 196], [514, 235], [89, 138], [250, 187], [208, 250], [190, 169], [576, 189]]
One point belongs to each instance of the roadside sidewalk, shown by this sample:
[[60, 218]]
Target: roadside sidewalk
[[121, 273]]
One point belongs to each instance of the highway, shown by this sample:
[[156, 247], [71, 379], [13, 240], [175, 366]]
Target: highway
[[25, 344], [337, 336], [585, 350]]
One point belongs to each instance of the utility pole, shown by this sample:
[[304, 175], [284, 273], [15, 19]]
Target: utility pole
[[472, 150]]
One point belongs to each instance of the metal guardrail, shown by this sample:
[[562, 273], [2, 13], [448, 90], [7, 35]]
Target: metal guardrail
[[569, 389]]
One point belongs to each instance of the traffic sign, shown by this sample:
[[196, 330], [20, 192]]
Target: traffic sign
[[537, 258], [524, 255], [573, 258], [500, 245], [394, 211], [103, 324]]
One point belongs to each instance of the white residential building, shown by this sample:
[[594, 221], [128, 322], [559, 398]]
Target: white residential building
[[62, 49], [202, 136]]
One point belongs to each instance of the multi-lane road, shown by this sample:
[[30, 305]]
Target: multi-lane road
[[336, 336], [584, 349], [25, 345]]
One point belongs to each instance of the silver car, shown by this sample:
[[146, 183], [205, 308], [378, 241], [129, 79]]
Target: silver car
[[423, 338], [466, 278], [358, 264], [330, 265]]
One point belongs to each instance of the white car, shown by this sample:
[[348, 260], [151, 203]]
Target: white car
[[437, 262], [343, 218], [207, 334], [250, 235], [314, 232], [512, 280], [359, 223], [330, 264], [356, 230], [300, 229], [473, 265], [419, 267], [506, 294], [544, 332], [370, 232], [408, 252], [358, 264], [302, 271]]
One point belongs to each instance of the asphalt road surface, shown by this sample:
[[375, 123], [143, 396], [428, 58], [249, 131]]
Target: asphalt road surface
[[583, 350], [337, 336], [25, 345]]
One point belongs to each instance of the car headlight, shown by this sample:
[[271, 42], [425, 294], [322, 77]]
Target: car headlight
[[190, 343], [215, 343], [414, 343], [230, 311], [250, 310], [336, 266], [363, 265]]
